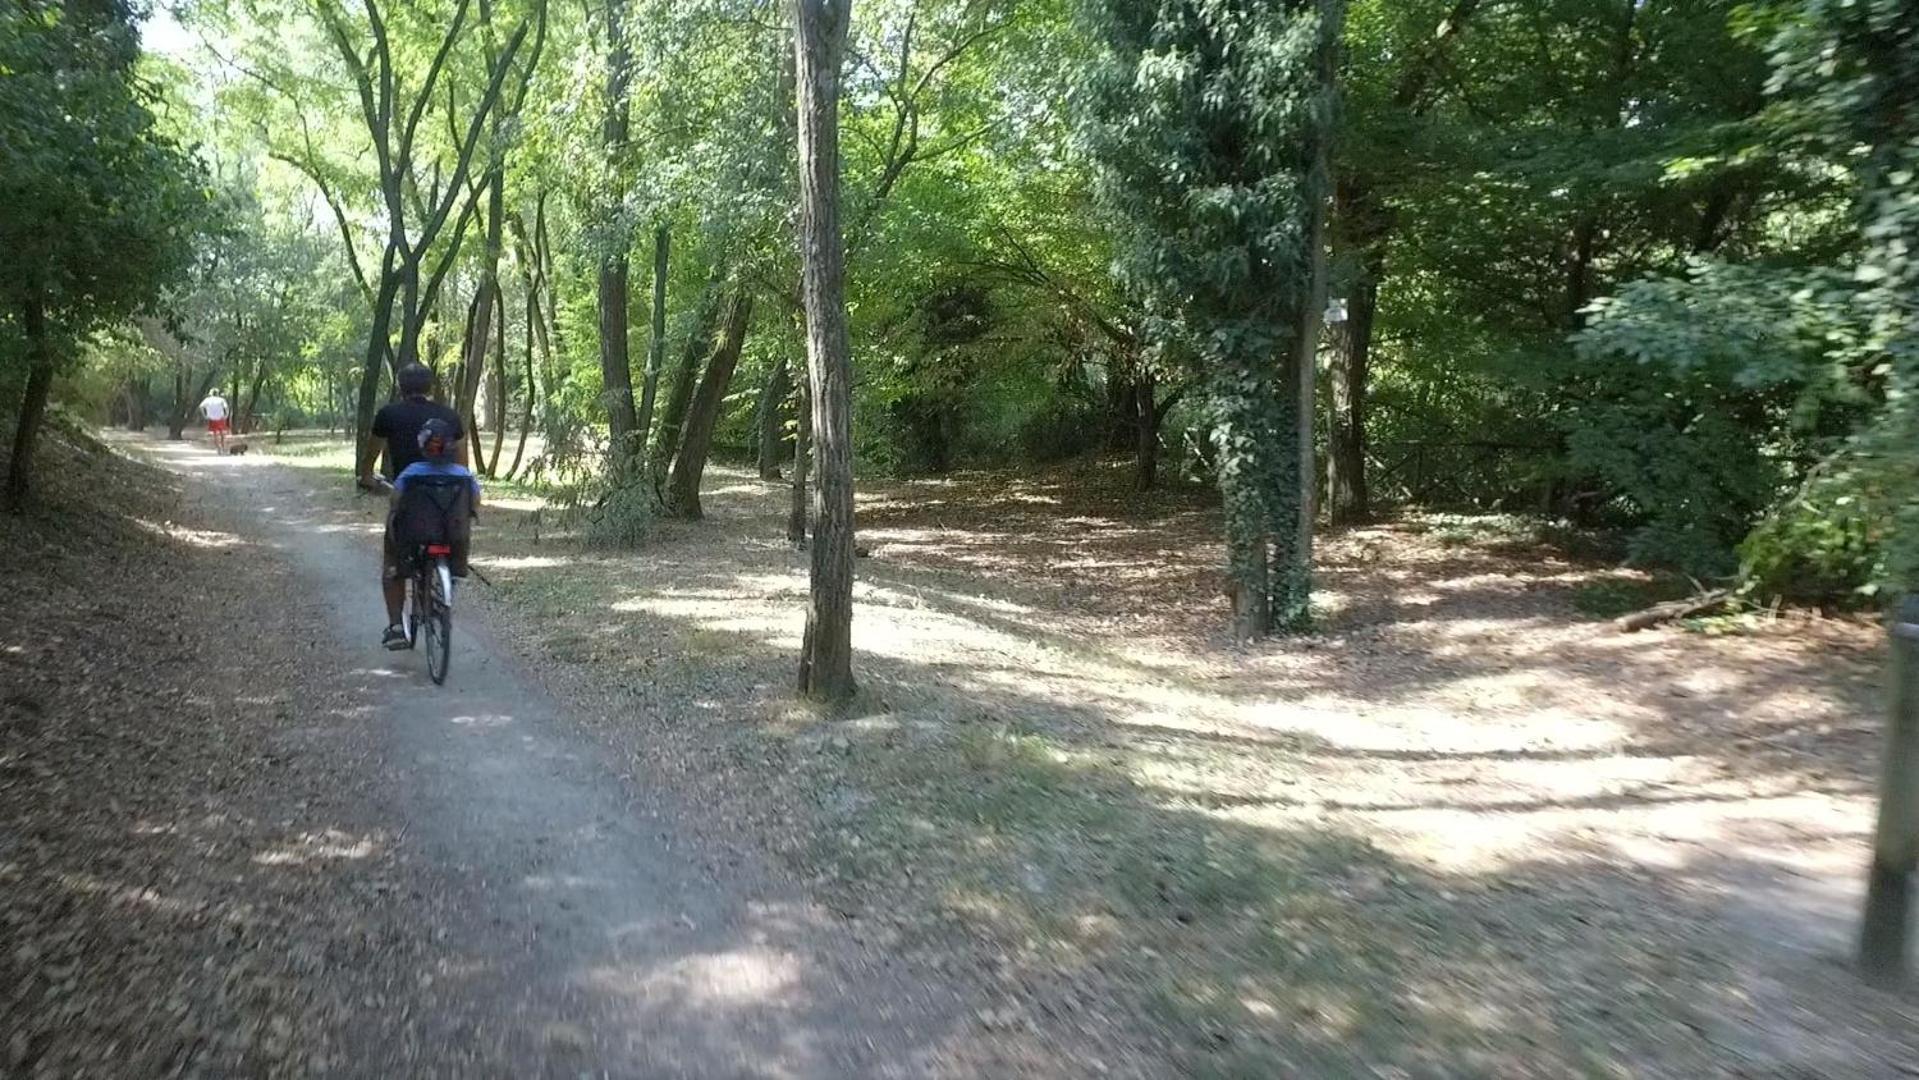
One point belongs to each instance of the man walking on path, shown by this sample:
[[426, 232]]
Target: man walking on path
[[214, 408]]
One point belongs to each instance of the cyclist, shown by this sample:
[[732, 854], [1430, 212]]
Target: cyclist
[[396, 431]]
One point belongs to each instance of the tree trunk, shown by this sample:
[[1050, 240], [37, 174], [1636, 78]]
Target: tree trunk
[[1346, 458], [410, 318], [248, 420], [689, 465], [616, 370], [656, 345], [673, 419], [1146, 434], [1122, 409], [480, 325], [531, 388], [1886, 928], [499, 381], [137, 404], [376, 355], [1289, 606], [772, 441], [802, 456], [33, 406], [826, 660]]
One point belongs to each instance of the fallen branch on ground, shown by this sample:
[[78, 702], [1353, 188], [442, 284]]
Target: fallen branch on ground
[[1671, 610]]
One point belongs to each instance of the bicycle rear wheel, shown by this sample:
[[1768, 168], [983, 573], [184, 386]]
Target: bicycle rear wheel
[[438, 619]]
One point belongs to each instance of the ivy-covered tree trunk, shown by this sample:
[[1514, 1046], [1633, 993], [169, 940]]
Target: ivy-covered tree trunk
[[689, 465], [1209, 121], [826, 651]]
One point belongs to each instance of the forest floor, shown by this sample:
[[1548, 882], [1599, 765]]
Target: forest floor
[[237, 838], [1464, 829]]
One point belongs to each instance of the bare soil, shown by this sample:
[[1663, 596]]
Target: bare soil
[[1463, 829], [1068, 829]]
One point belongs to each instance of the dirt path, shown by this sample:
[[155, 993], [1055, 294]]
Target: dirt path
[[571, 931]]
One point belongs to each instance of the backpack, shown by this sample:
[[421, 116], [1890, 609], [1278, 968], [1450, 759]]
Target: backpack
[[434, 510]]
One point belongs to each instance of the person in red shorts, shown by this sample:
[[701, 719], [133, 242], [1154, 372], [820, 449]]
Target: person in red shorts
[[214, 408]]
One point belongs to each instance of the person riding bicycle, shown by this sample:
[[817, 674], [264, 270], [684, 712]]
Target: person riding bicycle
[[396, 432]]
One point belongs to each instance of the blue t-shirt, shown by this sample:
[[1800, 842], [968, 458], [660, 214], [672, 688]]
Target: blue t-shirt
[[435, 468]]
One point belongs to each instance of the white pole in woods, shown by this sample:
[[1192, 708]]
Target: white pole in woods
[[1895, 848]]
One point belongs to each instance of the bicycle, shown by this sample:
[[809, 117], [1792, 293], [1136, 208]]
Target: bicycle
[[430, 607], [429, 582]]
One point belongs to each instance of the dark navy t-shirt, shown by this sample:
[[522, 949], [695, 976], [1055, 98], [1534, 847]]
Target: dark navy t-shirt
[[399, 423]]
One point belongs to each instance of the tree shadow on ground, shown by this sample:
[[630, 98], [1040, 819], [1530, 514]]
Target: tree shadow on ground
[[208, 866], [1149, 843]]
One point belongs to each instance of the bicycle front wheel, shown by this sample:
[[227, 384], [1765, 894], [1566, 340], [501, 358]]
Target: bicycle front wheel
[[439, 621]]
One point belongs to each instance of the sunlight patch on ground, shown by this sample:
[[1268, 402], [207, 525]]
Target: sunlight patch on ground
[[202, 538], [732, 978], [325, 846], [489, 720], [521, 562]]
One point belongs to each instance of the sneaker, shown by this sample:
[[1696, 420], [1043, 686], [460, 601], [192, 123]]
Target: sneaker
[[394, 638]]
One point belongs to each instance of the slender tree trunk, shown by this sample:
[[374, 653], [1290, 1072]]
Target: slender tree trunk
[[616, 370], [656, 345], [33, 405], [376, 355], [1122, 409], [826, 661], [772, 441], [499, 380], [136, 392], [686, 376], [531, 388], [689, 465], [1346, 458], [1146, 434], [480, 325], [250, 418], [802, 456]]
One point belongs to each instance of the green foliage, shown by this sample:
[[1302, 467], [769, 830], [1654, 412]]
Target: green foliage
[[1208, 119], [98, 208]]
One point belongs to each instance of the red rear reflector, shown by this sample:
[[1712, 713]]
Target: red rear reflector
[[438, 549]]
